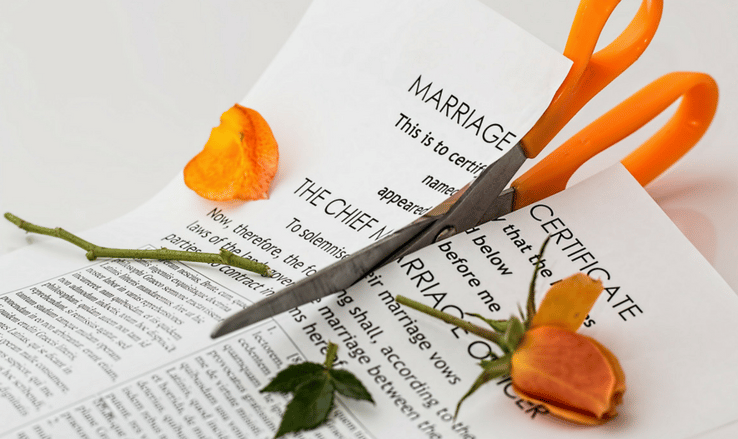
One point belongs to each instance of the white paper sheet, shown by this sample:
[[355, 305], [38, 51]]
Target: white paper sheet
[[665, 313]]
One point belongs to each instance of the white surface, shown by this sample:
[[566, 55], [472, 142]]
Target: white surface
[[103, 102]]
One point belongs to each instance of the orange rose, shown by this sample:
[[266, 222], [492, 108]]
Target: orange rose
[[572, 375], [239, 160]]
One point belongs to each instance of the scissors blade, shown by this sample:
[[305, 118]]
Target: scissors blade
[[467, 212], [503, 204], [332, 279]]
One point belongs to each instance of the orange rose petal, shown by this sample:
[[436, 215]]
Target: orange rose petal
[[568, 302], [239, 161], [569, 373], [619, 388], [565, 413]]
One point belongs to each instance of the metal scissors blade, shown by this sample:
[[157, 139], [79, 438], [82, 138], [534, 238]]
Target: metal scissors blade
[[465, 213]]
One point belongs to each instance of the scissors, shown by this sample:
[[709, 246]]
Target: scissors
[[589, 74]]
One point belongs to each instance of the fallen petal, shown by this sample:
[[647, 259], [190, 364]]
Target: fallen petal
[[239, 161]]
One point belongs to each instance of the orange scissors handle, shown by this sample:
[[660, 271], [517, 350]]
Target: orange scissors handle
[[590, 72], [699, 95]]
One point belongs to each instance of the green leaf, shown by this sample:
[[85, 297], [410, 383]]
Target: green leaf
[[522, 314], [313, 387], [310, 405], [492, 369], [484, 364], [287, 380], [515, 332], [498, 325], [347, 384]]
